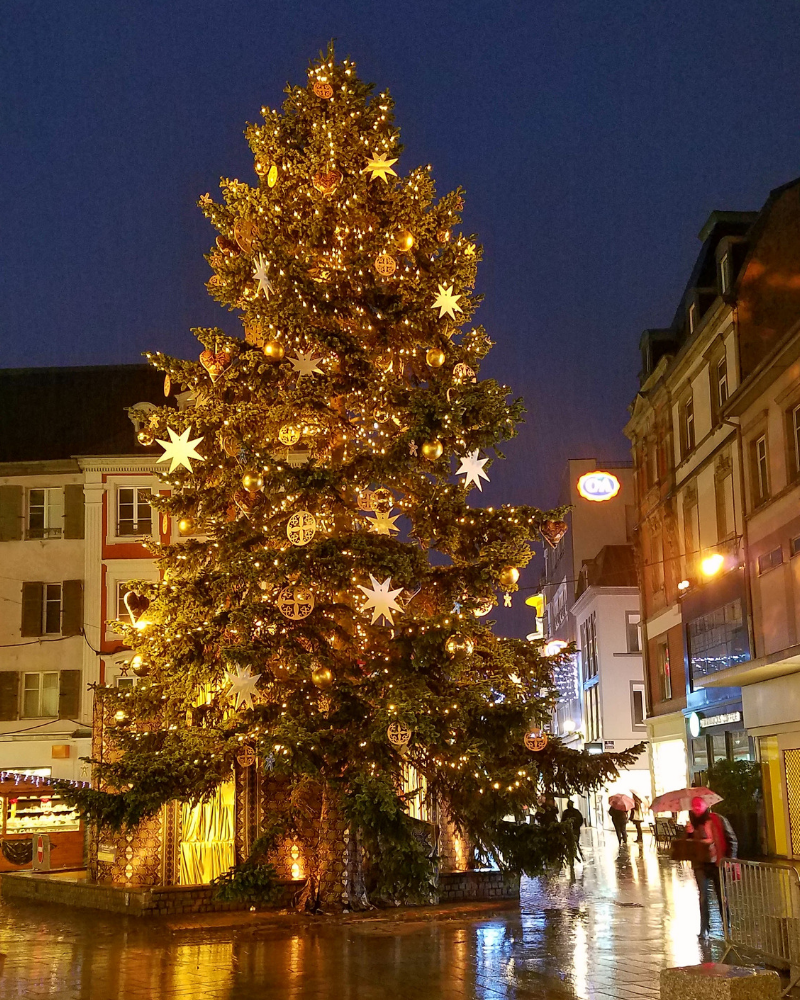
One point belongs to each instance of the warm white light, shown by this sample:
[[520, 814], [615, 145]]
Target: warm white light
[[554, 647], [683, 585], [569, 726], [712, 564]]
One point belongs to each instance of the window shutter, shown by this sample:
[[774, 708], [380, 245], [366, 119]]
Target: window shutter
[[71, 607], [10, 513], [69, 694], [9, 695], [73, 511], [32, 608]]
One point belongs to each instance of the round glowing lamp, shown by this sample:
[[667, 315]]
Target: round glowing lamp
[[712, 564], [554, 647]]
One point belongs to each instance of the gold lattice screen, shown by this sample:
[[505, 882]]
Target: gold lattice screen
[[791, 762]]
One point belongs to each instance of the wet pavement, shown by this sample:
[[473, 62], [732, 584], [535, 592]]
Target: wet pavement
[[627, 914]]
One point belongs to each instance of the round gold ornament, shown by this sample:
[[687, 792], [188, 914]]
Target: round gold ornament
[[399, 734], [186, 525], [459, 645], [323, 90], [289, 434], [432, 449], [245, 232], [364, 500], [508, 576], [252, 481], [145, 437], [246, 757], [272, 176], [274, 351], [385, 265], [382, 501], [535, 740], [435, 357], [140, 666], [301, 528], [295, 603], [405, 240], [322, 677]]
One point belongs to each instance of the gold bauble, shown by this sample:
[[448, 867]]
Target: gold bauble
[[261, 168], [459, 645], [435, 357], [432, 449], [145, 437], [252, 481], [404, 240], [139, 666], [186, 525], [509, 576], [322, 677], [274, 351]]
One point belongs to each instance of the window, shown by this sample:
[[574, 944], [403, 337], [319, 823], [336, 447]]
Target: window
[[722, 381], [726, 525], [794, 545], [40, 695], [51, 609], [45, 512], [760, 470], [770, 560], [633, 630], [692, 317], [123, 615], [126, 683], [794, 431], [134, 513], [664, 673], [717, 640], [687, 426], [699, 759], [724, 275], [593, 713], [739, 745], [589, 647], [637, 705]]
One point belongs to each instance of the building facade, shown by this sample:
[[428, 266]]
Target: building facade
[[695, 461]]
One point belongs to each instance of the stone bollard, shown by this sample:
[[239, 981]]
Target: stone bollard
[[711, 981]]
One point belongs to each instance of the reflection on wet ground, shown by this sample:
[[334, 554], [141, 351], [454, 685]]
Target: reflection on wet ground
[[628, 913]]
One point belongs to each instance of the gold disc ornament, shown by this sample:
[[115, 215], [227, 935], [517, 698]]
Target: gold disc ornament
[[463, 373], [301, 528], [295, 603], [432, 449], [246, 757], [435, 357], [245, 232], [364, 500], [399, 734], [323, 90], [289, 434], [322, 677], [274, 351], [272, 176], [535, 740], [385, 265]]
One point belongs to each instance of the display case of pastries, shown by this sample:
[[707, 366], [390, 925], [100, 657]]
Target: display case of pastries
[[45, 813]]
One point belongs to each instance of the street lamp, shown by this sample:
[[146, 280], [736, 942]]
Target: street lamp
[[712, 564]]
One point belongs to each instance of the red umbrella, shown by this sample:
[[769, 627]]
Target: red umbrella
[[681, 798], [620, 801]]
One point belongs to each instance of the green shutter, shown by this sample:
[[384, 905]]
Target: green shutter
[[9, 695], [10, 513], [69, 694], [32, 594], [71, 607], [73, 511]]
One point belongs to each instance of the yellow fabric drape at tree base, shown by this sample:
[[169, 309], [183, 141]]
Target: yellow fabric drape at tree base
[[207, 837]]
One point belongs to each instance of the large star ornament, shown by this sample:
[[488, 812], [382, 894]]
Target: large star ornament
[[472, 468], [179, 450], [447, 303], [383, 524], [261, 274], [243, 686], [381, 599], [379, 165], [305, 363]]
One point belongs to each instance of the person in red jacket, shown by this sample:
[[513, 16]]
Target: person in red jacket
[[716, 832]]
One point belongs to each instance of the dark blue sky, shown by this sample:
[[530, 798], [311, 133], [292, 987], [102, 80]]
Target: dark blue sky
[[593, 140]]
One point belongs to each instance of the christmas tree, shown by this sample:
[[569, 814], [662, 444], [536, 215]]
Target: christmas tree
[[326, 610]]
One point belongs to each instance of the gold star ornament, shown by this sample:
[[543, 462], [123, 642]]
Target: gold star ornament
[[383, 523], [379, 165], [446, 302], [381, 600], [179, 450]]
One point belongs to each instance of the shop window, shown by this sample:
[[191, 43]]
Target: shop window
[[207, 847], [45, 512], [134, 511], [717, 641], [633, 631], [719, 747], [739, 747], [699, 760]]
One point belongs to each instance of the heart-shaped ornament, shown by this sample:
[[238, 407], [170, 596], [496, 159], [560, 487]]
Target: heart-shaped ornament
[[215, 364], [136, 604], [553, 531], [249, 503], [326, 181]]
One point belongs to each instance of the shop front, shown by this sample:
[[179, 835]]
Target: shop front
[[34, 816]]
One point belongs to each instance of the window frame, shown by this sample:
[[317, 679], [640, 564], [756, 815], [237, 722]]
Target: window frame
[[637, 687], [664, 670], [40, 691], [633, 618], [760, 469], [687, 426], [795, 429], [52, 608], [52, 508], [135, 503]]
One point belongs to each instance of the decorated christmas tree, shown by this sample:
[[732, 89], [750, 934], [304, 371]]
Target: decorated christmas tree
[[327, 611]]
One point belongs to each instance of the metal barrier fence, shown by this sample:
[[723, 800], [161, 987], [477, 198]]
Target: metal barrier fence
[[761, 913]]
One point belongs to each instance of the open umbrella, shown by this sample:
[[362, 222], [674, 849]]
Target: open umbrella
[[681, 798], [620, 801]]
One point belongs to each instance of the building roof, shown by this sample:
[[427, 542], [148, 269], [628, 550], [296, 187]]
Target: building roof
[[56, 413], [613, 566]]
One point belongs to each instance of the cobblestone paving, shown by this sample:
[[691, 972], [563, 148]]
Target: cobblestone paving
[[626, 915]]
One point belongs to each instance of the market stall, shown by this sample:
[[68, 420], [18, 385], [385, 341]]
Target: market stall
[[29, 806]]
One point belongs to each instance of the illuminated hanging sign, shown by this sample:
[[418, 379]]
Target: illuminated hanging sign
[[598, 486]]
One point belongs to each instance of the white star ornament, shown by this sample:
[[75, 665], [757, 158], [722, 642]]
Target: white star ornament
[[179, 450], [243, 686], [446, 302], [305, 363], [472, 469], [381, 599], [261, 274]]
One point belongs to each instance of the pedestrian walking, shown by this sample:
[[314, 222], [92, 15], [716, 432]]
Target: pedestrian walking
[[619, 817], [637, 816], [574, 817], [716, 835]]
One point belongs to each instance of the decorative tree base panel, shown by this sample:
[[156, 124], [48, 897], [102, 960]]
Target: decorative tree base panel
[[156, 901]]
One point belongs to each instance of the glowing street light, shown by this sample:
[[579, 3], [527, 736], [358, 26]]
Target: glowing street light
[[554, 647], [683, 585], [712, 564]]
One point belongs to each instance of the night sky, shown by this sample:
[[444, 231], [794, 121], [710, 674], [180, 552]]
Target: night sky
[[593, 140]]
